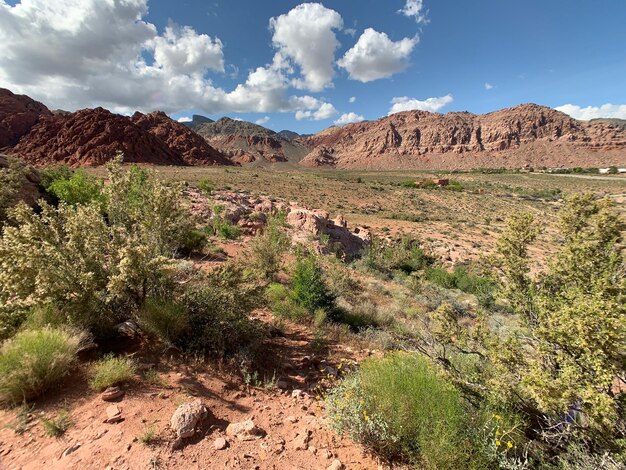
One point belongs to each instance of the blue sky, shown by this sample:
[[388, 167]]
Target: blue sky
[[475, 56]]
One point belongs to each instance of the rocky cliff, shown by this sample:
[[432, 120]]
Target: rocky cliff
[[514, 137], [18, 114]]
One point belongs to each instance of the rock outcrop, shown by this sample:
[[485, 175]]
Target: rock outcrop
[[306, 226], [92, 137], [192, 148], [514, 137], [18, 114], [245, 142]]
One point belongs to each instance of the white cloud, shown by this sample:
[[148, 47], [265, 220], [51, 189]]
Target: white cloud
[[415, 9], [607, 110], [404, 103], [325, 111], [349, 118], [72, 54], [182, 50], [350, 31], [185, 119], [488, 86], [263, 120], [352, 99], [375, 56], [306, 36]]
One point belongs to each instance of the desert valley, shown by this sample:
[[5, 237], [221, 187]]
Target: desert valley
[[182, 289]]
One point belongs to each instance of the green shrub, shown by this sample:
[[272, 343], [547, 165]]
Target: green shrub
[[409, 184], [192, 241], [33, 361], [112, 370], [225, 229], [269, 248], [80, 188], [56, 427], [282, 305], [206, 187], [405, 255], [163, 318], [400, 408], [52, 174], [309, 289], [482, 287], [218, 314]]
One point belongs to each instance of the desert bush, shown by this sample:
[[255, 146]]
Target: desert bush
[[52, 174], [559, 360], [405, 255], [96, 269], [33, 361], [192, 241], [400, 408], [79, 188], [461, 278], [282, 305], [163, 318], [206, 187], [269, 248], [218, 313], [309, 290], [56, 427], [112, 370]]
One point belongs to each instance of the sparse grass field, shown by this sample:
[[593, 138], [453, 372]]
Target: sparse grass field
[[466, 222]]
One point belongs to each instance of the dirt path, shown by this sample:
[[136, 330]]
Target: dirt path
[[285, 417]]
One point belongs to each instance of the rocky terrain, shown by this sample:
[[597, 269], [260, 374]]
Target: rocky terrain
[[526, 135], [245, 142], [193, 149], [196, 121], [91, 137], [18, 114]]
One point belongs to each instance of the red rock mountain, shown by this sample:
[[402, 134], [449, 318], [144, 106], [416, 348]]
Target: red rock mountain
[[526, 135], [193, 149], [91, 137], [18, 114], [94, 136]]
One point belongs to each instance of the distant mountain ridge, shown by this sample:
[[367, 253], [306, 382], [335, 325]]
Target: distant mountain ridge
[[525, 135], [245, 142]]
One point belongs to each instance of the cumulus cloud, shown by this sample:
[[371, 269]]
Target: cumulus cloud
[[404, 103], [415, 9], [263, 120], [352, 99], [325, 111], [185, 119], [488, 86], [349, 118], [375, 56], [608, 110], [99, 52], [306, 35]]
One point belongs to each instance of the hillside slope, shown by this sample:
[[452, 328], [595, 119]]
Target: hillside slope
[[245, 142]]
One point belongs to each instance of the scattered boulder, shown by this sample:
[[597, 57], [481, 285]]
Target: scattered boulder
[[112, 393], [70, 450], [113, 414], [220, 443], [335, 465], [301, 441], [244, 431], [186, 418]]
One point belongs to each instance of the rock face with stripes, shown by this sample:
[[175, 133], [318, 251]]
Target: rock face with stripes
[[526, 135]]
